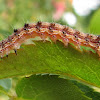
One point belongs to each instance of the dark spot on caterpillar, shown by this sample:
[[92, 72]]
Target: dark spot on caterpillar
[[54, 36], [38, 25], [65, 30], [15, 30], [98, 39], [89, 37], [51, 27], [7, 55], [15, 51], [64, 33], [26, 26], [41, 33], [2, 44], [97, 44], [77, 32], [50, 30], [76, 36], [87, 40]]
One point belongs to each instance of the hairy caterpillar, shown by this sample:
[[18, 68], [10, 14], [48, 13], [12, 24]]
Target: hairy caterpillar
[[52, 30]]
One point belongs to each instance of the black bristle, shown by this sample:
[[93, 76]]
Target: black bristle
[[15, 30], [65, 29], [64, 32], [7, 55], [2, 44], [26, 25], [38, 25], [75, 36], [86, 40], [15, 51], [25, 29], [51, 27]]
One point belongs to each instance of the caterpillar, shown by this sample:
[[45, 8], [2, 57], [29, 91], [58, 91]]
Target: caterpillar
[[53, 31]]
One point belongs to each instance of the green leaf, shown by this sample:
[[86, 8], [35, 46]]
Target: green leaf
[[47, 87], [89, 91], [52, 58], [6, 84], [95, 23]]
